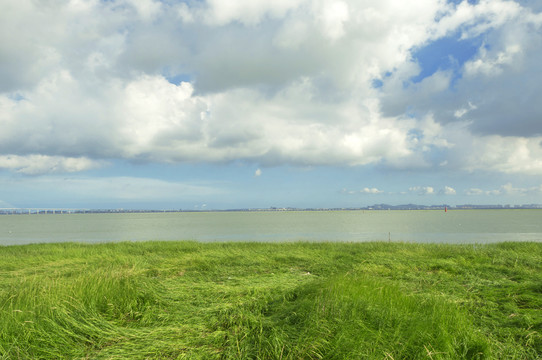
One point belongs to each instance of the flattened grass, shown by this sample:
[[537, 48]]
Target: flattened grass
[[177, 300]]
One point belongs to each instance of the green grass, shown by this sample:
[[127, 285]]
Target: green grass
[[188, 300]]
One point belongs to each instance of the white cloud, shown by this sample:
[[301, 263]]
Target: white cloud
[[366, 190], [333, 16], [258, 172], [269, 82], [147, 9], [371, 191], [501, 75], [492, 66], [248, 12], [422, 190], [474, 192], [510, 155], [157, 117], [419, 190], [448, 191], [149, 118], [107, 102], [475, 19], [459, 113]]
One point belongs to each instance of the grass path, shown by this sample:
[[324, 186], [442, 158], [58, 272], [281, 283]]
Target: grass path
[[188, 300]]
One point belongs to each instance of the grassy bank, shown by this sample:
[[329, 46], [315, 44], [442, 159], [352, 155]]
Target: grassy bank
[[176, 300]]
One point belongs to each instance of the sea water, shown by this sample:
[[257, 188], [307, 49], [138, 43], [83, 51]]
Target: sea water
[[454, 226]]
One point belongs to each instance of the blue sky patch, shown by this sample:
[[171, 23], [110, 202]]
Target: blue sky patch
[[449, 53], [377, 83], [16, 96], [178, 78]]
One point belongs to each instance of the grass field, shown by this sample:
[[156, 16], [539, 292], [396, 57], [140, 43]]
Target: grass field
[[188, 300]]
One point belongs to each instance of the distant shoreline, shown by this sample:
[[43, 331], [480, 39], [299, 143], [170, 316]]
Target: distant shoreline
[[377, 207]]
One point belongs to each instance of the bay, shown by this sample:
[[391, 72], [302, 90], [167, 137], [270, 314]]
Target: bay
[[422, 226]]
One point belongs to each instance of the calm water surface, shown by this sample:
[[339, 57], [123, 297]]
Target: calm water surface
[[456, 226]]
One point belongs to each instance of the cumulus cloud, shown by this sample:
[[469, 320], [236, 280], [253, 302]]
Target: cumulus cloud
[[422, 190], [447, 190], [151, 119], [258, 172], [494, 91], [282, 82], [459, 113], [474, 192], [509, 155], [365, 190], [246, 12], [419, 190], [371, 191]]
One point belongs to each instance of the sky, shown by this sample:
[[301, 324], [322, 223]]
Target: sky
[[214, 104]]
